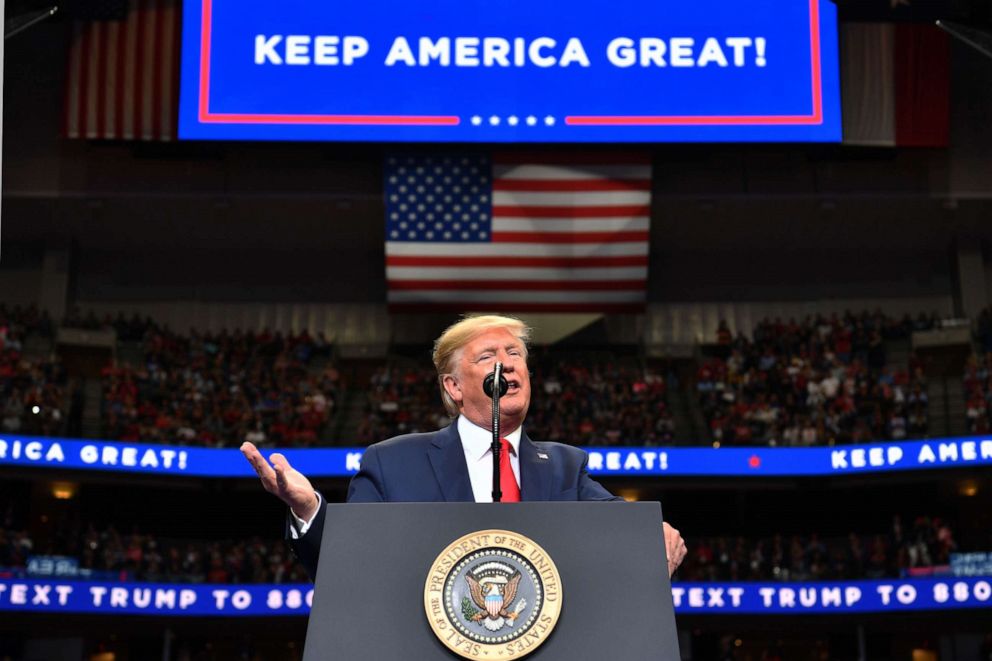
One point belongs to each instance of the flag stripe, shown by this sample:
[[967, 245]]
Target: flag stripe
[[74, 66], [100, 91], [110, 88], [569, 224], [84, 73], [139, 74], [517, 285], [559, 172], [516, 250], [504, 272], [508, 211], [121, 76], [566, 185], [130, 76], [156, 76], [554, 237], [518, 262], [120, 80], [596, 199]]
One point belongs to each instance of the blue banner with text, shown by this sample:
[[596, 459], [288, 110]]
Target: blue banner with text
[[513, 71], [878, 596], [149, 459]]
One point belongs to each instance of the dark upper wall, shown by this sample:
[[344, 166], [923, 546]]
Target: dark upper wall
[[304, 221], [37, 162]]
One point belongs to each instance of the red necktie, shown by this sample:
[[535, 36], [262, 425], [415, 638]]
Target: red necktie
[[507, 480]]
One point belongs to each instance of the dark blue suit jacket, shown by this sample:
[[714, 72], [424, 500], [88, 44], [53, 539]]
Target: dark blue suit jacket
[[431, 468]]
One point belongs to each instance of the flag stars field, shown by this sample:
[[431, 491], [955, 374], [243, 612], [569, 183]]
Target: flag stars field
[[563, 235]]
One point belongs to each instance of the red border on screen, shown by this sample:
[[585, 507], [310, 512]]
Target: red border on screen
[[207, 117]]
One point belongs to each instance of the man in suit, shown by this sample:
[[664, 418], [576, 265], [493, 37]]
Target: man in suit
[[455, 463]]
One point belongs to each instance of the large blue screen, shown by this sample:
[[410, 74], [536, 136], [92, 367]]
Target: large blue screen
[[510, 71]]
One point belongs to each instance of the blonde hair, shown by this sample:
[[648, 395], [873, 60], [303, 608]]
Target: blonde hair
[[448, 346]]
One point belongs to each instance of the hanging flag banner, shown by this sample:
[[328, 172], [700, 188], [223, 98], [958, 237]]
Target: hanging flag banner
[[150, 459], [522, 233], [513, 71], [876, 596]]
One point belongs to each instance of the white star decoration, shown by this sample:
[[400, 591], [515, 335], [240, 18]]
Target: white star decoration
[[511, 120]]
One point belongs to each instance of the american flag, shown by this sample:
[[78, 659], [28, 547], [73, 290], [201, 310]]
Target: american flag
[[122, 81], [520, 233]]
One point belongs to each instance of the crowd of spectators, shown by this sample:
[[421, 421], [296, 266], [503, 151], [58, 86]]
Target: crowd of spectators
[[34, 392], [824, 380], [131, 329], [977, 381], [598, 403], [571, 402], [220, 389], [978, 392], [135, 556], [922, 547], [17, 321], [401, 400]]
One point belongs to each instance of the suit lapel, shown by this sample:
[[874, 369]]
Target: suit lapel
[[448, 461], [535, 472]]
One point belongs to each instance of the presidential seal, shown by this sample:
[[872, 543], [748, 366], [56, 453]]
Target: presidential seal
[[493, 594]]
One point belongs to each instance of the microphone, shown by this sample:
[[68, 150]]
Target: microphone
[[487, 384], [496, 376]]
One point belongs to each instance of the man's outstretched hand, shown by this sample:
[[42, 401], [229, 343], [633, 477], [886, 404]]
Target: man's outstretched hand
[[674, 547], [283, 481]]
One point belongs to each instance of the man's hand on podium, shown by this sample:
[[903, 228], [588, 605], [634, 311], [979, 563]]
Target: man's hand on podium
[[674, 547], [283, 481]]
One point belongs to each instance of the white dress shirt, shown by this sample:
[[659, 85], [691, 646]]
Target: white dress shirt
[[477, 444]]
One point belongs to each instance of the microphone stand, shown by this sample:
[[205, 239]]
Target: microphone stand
[[496, 392], [497, 445]]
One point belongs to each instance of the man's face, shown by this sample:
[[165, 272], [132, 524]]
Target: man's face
[[476, 360]]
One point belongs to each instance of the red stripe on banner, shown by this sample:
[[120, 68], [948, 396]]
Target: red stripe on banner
[[585, 211], [688, 120], [156, 92], [561, 237], [206, 117], [84, 83], [205, 28], [121, 64], [408, 120], [571, 185], [615, 308], [814, 56], [568, 158], [816, 116], [517, 285], [553, 262], [101, 78]]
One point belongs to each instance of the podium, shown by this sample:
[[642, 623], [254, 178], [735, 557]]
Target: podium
[[546, 581]]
